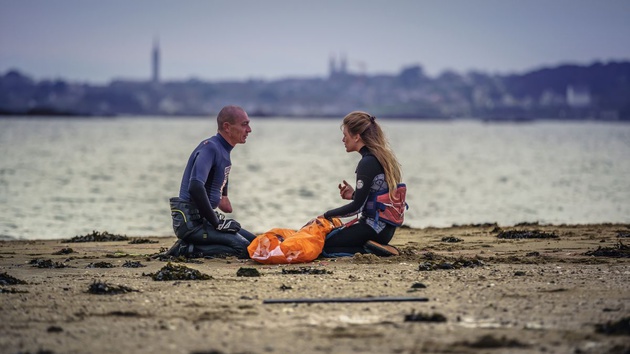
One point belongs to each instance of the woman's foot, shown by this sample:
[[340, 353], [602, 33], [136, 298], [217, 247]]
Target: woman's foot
[[381, 250]]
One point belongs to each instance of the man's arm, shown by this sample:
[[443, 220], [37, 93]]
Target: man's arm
[[224, 204], [200, 198], [198, 195], [203, 162]]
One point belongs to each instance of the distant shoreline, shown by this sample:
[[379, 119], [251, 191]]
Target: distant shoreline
[[565, 92], [520, 120]]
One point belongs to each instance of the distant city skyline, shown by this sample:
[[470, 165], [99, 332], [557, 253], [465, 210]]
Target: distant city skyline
[[220, 40]]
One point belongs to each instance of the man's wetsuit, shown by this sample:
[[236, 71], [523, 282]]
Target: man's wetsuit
[[370, 179], [204, 182], [206, 175]]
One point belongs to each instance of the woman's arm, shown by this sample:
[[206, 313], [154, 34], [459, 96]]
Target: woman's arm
[[367, 169]]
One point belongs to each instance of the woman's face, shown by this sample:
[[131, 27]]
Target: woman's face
[[350, 141]]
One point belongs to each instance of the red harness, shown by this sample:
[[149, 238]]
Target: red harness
[[381, 206]]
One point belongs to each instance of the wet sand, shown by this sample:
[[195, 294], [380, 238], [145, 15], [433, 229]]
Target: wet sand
[[567, 291]]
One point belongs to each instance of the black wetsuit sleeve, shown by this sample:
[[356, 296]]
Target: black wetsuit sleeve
[[368, 168], [198, 195]]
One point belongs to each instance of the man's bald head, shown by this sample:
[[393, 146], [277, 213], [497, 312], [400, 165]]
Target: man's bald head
[[233, 124], [229, 114]]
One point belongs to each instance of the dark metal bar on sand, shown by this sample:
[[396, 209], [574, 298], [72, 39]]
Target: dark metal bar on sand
[[345, 299]]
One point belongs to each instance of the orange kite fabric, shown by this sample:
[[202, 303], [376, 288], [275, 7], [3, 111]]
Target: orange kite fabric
[[283, 246]]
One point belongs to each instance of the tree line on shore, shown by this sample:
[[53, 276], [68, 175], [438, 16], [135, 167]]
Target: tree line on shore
[[598, 91]]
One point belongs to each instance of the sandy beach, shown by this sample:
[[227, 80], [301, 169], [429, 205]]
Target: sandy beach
[[528, 288]]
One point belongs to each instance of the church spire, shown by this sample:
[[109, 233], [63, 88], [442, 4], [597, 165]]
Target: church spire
[[155, 61]]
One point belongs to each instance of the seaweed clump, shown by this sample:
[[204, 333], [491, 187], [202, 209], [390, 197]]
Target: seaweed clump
[[6, 279], [142, 240], [451, 239], [66, 250], [46, 263], [618, 251], [12, 291], [102, 288], [621, 327], [516, 234], [177, 272], [247, 272], [305, 270], [96, 236], [418, 286], [423, 317], [434, 262], [117, 254], [100, 265], [489, 341], [161, 256], [623, 234], [133, 264]]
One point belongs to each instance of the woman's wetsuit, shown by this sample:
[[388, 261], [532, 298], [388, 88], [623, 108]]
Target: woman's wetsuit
[[351, 239]]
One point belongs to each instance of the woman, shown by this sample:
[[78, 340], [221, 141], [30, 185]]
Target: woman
[[378, 173]]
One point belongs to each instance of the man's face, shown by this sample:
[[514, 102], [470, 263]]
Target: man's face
[[237, 132]]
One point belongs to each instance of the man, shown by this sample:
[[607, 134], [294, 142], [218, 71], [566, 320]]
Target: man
[[200, 230]]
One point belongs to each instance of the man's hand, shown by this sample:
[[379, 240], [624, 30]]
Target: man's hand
[[228, 225], [346, 191], [225, 205]]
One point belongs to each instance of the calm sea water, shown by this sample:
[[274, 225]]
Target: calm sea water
[[65, 177]]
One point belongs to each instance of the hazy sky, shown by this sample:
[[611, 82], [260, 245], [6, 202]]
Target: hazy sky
[[96, 41]]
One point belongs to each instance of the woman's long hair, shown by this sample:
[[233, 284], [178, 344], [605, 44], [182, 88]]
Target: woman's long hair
[[365, 125]]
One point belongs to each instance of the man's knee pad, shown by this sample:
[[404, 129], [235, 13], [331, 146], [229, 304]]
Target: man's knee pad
[[190, 250], [202, 235], [185, 217], [214, 251], [208, 236]]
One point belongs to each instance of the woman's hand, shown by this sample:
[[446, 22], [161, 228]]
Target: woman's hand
[[346, 191]]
